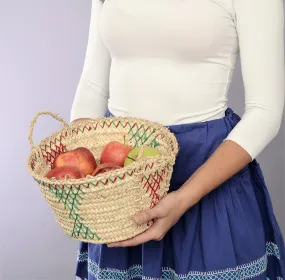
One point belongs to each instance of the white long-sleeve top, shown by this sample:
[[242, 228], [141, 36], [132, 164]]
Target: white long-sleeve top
[[171, 61]]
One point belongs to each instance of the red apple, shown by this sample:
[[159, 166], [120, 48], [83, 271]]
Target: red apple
[[105, 167], [65, 172], [81, 157], [115, 152]]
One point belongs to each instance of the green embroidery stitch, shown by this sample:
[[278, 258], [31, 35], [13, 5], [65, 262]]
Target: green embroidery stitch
[[71, 197]]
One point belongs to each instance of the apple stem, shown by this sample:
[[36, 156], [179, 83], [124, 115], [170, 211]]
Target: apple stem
[[124, 139]]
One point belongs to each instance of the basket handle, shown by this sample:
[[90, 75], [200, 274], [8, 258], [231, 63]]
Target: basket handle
[[32, 125]]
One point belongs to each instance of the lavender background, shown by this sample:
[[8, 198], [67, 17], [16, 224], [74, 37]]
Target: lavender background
[[42, 51]]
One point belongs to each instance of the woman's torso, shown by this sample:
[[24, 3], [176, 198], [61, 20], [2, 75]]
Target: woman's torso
[[172, 60]]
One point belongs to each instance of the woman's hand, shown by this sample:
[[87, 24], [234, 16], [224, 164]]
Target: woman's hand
[[165, 214]]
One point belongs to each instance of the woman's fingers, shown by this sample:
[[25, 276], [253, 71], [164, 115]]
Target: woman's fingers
[[152, 233], [148, 215]]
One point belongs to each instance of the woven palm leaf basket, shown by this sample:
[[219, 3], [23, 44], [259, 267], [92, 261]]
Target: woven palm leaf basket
[[99, 209]]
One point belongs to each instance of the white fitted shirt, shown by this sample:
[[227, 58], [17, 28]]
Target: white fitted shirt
[[171, 61]]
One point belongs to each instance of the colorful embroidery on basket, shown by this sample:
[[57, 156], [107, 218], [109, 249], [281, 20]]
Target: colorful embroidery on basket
[[71, 199], [240, 272]]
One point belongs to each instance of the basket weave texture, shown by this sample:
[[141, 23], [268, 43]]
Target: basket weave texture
[[100, 209]]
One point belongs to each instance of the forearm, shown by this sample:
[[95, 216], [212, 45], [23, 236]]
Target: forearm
[[226, 161]]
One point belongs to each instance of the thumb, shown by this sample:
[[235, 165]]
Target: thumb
[[146, 216]]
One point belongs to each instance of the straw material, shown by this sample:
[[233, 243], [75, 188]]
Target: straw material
[[100, 209]]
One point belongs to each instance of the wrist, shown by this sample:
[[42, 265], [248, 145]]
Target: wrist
[[187, 197]]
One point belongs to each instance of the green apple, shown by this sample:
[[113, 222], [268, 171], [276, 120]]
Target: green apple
[[134, 153]]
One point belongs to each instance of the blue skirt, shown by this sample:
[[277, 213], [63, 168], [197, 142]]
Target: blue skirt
[[230, 234]]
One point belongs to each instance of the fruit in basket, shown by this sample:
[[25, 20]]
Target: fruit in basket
[[65, 172], [105, 167], [134, 153], [81, 157], [115, 152]]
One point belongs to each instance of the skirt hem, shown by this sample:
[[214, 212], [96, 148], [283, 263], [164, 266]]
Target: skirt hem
[[241, 272]]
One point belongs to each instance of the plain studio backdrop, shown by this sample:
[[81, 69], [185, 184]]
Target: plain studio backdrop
[[42, 52]]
